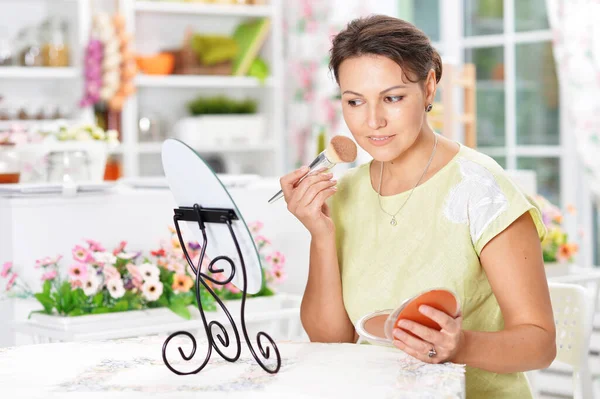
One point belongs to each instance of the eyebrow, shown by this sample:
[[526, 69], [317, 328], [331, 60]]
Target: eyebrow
[[384, 91]]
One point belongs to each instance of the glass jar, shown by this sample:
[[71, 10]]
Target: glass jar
[[30, 53], [10, 165], [68, 166], [55, 49]]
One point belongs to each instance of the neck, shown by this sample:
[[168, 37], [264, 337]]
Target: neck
[[410, 164]]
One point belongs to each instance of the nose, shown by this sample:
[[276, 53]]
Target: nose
[[376, 118]]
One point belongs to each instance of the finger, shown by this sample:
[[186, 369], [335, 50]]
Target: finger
[[445, 321], [425, 333], [320, 199], [412, 352], [314, 190], [308, 182], [287, 182], [416, 343]]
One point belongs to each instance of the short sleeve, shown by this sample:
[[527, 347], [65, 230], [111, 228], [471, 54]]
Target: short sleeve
[[496, 204]]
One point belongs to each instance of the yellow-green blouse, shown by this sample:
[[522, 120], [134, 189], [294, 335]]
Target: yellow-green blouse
[[440, 233]]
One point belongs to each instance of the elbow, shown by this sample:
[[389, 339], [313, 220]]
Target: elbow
[[549, 349], [320, 331]]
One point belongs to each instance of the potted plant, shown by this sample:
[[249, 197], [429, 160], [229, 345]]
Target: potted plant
[[221, 121], [103, 288], [558, 251]]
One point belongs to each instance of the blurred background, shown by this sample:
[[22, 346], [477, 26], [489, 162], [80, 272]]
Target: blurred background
[[89, 90]]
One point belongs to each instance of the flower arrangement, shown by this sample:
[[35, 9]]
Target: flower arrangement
[[556, 246], [100, 281]]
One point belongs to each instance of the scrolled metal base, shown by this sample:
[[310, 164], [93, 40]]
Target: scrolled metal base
[[219, 339]]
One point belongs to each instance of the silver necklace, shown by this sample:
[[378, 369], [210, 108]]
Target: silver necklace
[[393, 222]]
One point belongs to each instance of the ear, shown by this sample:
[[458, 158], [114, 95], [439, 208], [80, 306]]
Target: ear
[[430, 87]]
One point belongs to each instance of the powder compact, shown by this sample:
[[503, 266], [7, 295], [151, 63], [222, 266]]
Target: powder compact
[[377, 327]]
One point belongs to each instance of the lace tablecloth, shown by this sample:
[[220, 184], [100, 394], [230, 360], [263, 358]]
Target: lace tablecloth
[[133, 368]]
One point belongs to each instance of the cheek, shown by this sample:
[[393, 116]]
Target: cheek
[[353, 117], [405, 114]]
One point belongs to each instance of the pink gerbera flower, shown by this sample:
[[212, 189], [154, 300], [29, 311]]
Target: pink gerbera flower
[[82, 254], [78, 272], [276, 258], [278, 274], [262, 241], [51, 275], [110, 273], [95, 246], [6, 269], [76, 284], [11, 282], [120, 248], [47, 261], [256, 226], [136, 276]]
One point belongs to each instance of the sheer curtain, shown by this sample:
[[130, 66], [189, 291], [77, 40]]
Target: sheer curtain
[[576, 44]]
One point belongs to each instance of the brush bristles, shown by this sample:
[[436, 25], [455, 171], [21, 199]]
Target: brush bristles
[[341, 149]]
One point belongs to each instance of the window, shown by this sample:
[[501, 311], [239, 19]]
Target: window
[[509, 42], [518, 102]]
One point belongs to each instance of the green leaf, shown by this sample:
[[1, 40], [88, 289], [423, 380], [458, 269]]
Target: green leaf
[[121, 306], [76, 312], [66, 299], [46, 302], [100, 310], [47, 287], [176, 300], [98, 299], [162, 301], [181, 310]]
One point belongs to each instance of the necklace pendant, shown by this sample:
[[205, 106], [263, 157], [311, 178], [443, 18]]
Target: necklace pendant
[[393, 221]]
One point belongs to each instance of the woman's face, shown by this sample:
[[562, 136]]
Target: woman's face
[[384, 111]]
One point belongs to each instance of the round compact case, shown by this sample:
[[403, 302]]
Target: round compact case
[[377, 327]]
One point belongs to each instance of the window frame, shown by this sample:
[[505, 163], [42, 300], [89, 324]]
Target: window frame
[[573, 189]]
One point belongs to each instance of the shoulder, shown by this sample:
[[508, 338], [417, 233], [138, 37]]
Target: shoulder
[[474, 164], [487, 198]]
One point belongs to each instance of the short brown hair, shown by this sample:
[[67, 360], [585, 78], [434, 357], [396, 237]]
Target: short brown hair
[[396, 39]]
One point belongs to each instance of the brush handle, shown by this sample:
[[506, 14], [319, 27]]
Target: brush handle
[[321, 161]]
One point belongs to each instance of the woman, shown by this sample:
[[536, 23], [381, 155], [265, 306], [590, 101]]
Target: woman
[[426, 212]]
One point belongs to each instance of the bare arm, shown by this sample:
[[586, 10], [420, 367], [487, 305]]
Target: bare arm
[[514, 267], [513, 264], [322, 312]]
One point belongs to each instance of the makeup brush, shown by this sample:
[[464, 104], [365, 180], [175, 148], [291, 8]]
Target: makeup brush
[[340, 149]]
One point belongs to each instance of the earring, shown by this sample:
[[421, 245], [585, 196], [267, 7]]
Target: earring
[[429, 108]]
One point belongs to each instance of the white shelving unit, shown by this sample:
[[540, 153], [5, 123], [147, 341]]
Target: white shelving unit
[[44, 86], [172, 7], [157, 25], [191, 81], [14, 72]]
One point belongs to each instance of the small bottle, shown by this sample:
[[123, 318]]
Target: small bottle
[[55, 49]]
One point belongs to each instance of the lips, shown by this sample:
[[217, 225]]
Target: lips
[[380, 139]]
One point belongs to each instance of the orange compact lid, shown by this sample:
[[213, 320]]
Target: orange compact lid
[[440, 299]]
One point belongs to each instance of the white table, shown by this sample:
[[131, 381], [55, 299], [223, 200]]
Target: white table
[[133, 368]]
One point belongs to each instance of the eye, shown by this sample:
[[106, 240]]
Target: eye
[[354, 103], [393, 99]]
